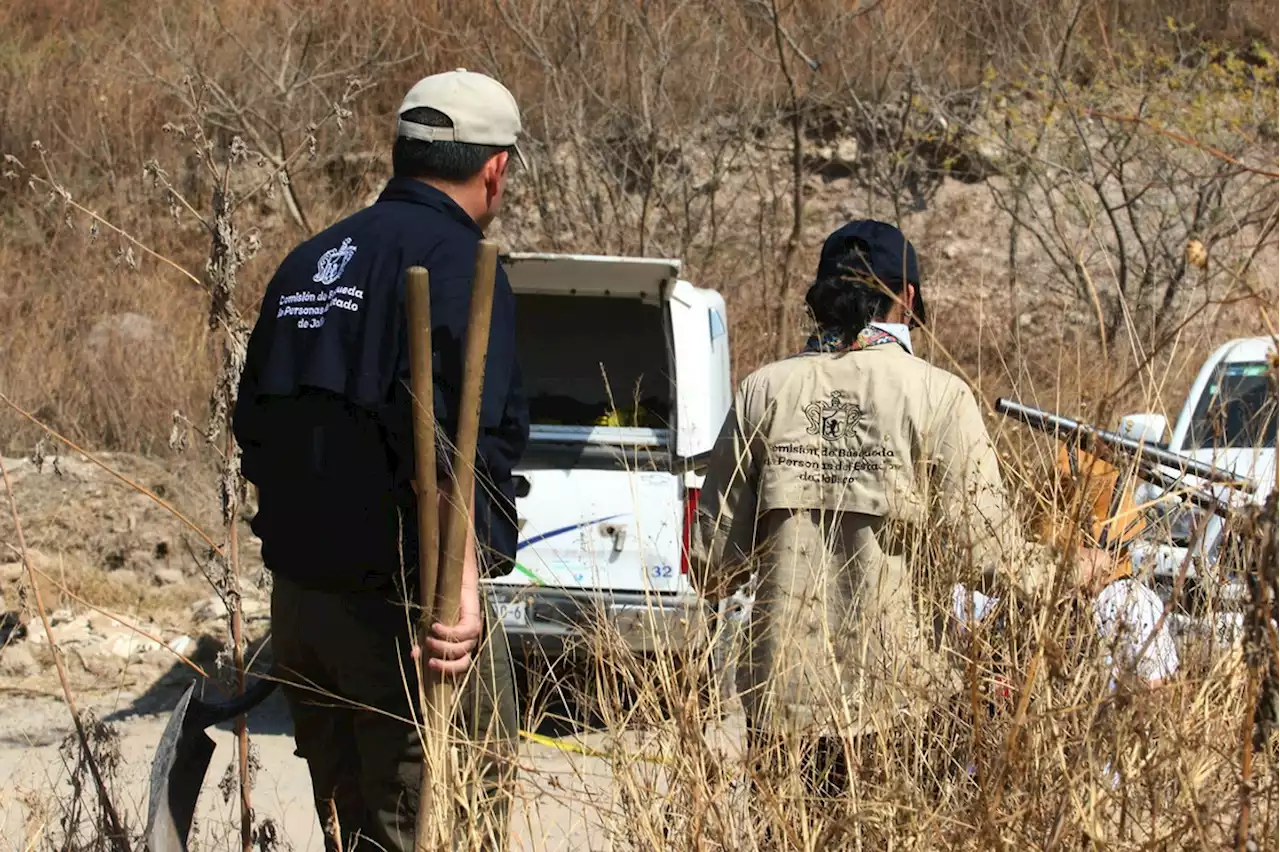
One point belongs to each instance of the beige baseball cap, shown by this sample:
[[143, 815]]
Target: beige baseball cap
[[483, 111]]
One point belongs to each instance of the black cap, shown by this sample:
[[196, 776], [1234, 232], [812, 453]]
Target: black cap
[[867, 249]]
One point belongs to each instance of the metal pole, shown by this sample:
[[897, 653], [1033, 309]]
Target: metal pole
[[1064, 426]]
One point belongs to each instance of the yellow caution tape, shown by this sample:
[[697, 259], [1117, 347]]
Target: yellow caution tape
[[578, 748]]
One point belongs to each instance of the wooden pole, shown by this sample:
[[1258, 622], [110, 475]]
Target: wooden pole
[[418, 298], [437, 792], [422, 391]]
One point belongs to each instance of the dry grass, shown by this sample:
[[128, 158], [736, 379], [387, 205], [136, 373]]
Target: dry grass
[[1032, 748]]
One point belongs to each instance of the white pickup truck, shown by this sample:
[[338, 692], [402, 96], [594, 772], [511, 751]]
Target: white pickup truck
[[626, 366], [1228, 420]]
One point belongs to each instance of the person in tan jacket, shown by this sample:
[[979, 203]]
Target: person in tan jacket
[[845, 477]]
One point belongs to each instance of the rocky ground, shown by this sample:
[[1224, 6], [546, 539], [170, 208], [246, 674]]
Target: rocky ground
[[130, 606], [124, 581]]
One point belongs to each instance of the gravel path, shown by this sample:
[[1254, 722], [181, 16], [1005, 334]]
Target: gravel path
[[559, 795]]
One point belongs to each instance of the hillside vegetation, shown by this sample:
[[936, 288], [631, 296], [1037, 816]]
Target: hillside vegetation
[[1051, 160]]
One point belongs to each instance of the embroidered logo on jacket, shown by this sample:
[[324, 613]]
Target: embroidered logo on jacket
[[333, 263], [833, 419]]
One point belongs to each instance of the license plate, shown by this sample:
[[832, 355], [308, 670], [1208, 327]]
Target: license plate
[[512, 613]]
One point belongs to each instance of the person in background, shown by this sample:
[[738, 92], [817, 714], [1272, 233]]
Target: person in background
[[839, 474], [324, 419]]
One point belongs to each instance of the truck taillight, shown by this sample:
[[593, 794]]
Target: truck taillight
[[686, 535]]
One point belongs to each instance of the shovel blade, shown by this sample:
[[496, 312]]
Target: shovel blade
[[182, 760], [177, 773]]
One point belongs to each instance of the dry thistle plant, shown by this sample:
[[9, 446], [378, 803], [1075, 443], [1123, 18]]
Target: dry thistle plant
[[228, 251]]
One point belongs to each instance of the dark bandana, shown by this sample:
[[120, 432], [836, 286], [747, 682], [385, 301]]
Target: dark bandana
[[837, 341]]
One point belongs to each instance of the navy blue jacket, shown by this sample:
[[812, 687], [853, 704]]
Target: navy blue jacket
[[323, 414]]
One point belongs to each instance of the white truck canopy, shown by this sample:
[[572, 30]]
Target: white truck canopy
[[697, 337], [643, 278]]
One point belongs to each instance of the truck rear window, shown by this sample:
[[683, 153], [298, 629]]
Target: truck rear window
[[1236, 410], [593, 361]]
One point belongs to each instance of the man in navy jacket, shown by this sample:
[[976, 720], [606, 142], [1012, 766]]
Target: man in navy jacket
[[324, 420]]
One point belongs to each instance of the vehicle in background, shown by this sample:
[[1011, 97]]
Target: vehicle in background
[[1228, 420], [626, 367]]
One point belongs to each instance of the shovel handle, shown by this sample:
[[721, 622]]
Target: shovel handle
[[449, 588], [422, 389], [221, 712]]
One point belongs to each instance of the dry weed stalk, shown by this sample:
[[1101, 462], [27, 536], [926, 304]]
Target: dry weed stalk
[[229, 250], [226, 254]]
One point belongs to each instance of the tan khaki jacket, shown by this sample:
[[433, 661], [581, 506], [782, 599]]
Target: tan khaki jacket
[[843, 480]]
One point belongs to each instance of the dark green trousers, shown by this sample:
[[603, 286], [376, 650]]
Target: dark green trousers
[[352, 689]]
